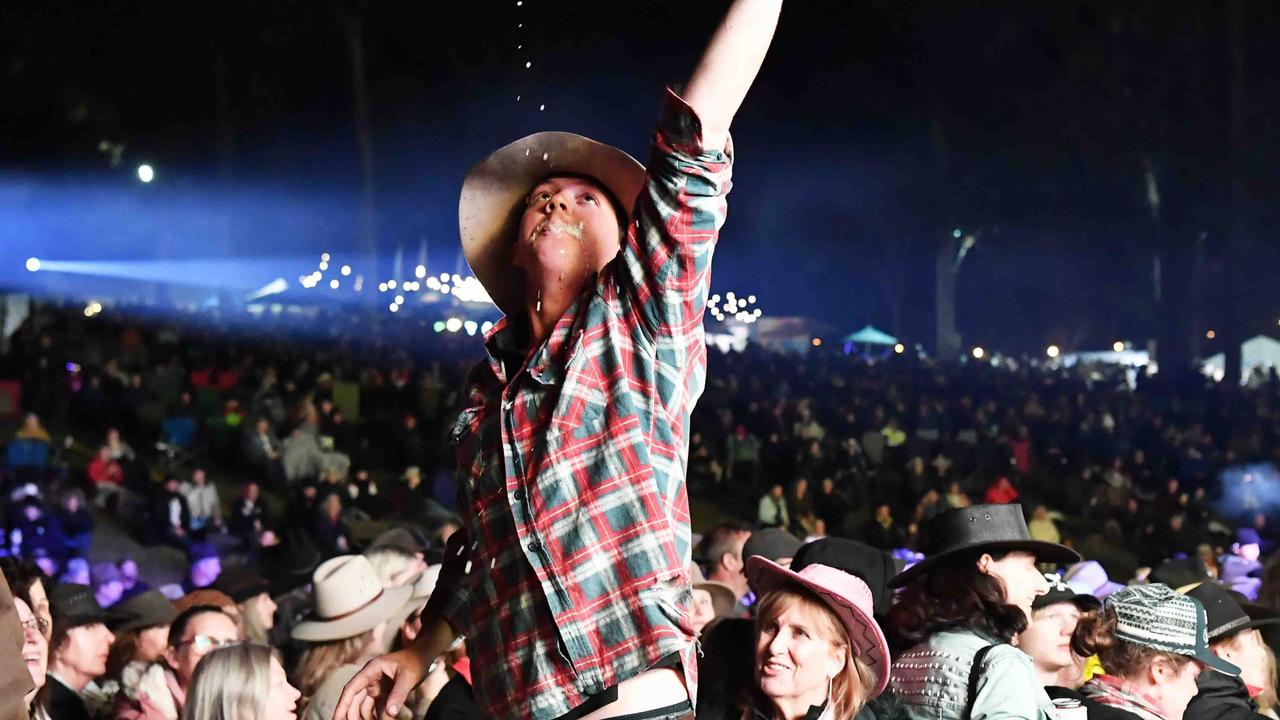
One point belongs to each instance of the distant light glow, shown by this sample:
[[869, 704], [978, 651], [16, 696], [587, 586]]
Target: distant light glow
[[899, 348], [324, 265], [333, 283], [324, 257], [1211, 334], [956, 233], [391, 284], [817, 342], [1053, 351], [33, 264], [420, 271], [1118, 346], [346, 270], [453, 324], [393, 307], [979, 353], [146, 173]]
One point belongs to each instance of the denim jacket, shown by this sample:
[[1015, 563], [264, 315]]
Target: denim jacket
[[932, 680]]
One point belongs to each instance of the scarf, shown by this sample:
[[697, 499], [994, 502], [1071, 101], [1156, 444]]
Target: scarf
[[1116, 692]]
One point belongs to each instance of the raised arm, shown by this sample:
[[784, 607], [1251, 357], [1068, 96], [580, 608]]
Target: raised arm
[[729, 66]]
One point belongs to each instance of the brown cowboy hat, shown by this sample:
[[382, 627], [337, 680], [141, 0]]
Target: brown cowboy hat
[[494, 190]]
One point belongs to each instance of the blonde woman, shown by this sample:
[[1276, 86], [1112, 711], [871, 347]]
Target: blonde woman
[[241, 682], [818, 651]]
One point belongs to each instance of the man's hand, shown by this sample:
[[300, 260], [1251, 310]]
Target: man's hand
[[380, 688]]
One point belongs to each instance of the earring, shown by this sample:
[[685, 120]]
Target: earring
[[830, 682], [539, 308]]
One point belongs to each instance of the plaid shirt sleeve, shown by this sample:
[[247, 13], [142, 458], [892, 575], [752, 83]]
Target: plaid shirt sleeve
[[667, 260]]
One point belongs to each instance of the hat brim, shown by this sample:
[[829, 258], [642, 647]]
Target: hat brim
[[1045, 552], [106, 617], [1216, 663], [493, 192], [863, 631], [360, 621], [146, 622]]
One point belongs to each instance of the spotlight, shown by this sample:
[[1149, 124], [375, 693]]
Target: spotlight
[[1053, 351], [391, 284], [394, 307], [324, 257], [899, 348], [146, 173], [33, 264], [1211, 334], [979, 353], [1118, 346], [453, 324], [420, 271], [334, 283], [346, 270]]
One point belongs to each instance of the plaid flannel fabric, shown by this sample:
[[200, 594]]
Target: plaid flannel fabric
[[573, 568]]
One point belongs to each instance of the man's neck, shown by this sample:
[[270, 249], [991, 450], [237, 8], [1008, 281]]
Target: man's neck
[[69, 676], [546, 301]]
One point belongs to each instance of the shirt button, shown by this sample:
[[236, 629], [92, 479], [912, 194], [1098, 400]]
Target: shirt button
[[519, 494], [535, 546]]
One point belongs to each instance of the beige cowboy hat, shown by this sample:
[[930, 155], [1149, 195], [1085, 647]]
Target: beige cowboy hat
[[493, 199], [723, 599], [349, 600], [421, 587]]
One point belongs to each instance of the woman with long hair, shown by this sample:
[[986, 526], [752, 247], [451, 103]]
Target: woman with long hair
[[348, 625], [959, 611], [244, 681], [817, 650]]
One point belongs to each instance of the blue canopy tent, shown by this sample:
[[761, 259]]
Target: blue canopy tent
[[870, 337]]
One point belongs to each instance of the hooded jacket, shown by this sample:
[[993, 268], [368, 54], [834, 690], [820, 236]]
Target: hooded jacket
[[1221, 697]]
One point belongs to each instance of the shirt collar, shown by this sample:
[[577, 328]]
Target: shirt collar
[[507, 344]]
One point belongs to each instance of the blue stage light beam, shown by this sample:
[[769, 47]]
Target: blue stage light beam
[[231, 273]]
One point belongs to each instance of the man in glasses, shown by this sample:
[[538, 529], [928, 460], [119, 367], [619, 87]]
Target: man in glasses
[[160, 689]]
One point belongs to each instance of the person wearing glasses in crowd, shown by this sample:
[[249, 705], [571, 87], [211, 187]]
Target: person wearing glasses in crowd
[[28, 598], [161, 691]]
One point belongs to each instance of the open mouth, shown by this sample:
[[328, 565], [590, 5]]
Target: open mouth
[[555, 227], [774, 668]]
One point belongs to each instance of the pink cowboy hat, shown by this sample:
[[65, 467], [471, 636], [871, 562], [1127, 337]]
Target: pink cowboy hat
[[847, 596]]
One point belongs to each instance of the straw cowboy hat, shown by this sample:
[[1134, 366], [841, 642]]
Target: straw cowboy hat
[[846, 595], [349, 600], [493, 196]]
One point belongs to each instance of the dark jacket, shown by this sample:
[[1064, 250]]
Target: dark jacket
[[455, 702], [65, 703], [1221, 696]]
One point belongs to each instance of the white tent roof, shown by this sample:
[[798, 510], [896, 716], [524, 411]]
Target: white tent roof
[[1260, 351]]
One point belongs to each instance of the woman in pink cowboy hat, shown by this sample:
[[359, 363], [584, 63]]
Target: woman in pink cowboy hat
[[570, 573], [819, 654]]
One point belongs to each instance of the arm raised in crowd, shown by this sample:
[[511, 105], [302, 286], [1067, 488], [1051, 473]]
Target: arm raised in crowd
[[729, 65]]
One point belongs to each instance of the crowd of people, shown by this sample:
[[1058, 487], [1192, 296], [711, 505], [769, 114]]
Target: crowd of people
[[809, 463]]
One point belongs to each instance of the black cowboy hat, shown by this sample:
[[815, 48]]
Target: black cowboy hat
[[1224, 614], [990, 528]]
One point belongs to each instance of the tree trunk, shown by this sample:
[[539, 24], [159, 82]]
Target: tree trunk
[[352, 21], [1231, 331]]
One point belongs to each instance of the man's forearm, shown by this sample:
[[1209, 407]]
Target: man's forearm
[[436, 637], [729, 65]]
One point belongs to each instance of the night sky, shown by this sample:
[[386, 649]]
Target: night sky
[[873, 128]]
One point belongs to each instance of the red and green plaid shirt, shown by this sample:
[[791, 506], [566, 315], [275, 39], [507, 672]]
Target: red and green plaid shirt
[[576, 543]]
